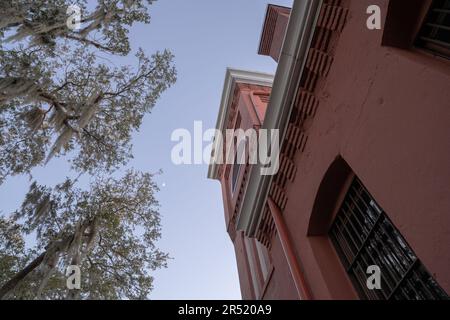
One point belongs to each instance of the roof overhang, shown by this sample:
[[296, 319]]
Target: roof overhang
[[232, 78], [299, 34], [268, 29]]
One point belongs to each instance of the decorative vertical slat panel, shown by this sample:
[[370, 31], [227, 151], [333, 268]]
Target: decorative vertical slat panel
[[332, 17]]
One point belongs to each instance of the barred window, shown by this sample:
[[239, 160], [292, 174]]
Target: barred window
[[363, 236], [435, 33]]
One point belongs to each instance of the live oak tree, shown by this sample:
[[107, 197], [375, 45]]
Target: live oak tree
[[12, 249], [60, 96], [109, 231], [44, 22], [88, 107]]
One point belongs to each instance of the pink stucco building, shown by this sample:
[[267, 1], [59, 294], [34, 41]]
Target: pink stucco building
[[364, 177]]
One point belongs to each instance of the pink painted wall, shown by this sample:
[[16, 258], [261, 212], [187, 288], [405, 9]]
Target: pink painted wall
[[386, 112], [249, 103]]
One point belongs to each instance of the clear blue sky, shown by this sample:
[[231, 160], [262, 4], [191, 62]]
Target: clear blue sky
[[206, 36]]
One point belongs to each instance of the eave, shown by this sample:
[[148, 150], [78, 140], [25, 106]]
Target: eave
[[299, 34], [232, 78]]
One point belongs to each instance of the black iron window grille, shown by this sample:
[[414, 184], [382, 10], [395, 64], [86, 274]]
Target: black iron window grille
[[363, 236], [435, 33]]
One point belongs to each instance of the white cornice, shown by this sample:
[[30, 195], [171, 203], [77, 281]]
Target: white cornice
[[232, 77], [300, 30]]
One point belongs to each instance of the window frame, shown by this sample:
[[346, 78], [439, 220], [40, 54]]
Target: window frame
[[356, 256], [235, 168], [425, 40]]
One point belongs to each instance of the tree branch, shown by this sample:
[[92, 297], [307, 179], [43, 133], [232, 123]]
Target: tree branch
[[14, 281]]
